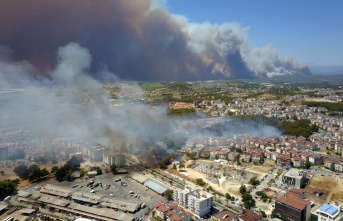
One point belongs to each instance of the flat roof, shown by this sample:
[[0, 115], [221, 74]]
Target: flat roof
[[104, 213], [27, 211], [86, 197], [24, 194], [120, 204], [139, 177], [155, 186], [54, 201], [294, 173], [55, 190]]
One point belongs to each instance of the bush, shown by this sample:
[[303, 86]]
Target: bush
[[200, 182]]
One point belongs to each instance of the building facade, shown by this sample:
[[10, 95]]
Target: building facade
[[196, 201], [328, 212], [294, 177]]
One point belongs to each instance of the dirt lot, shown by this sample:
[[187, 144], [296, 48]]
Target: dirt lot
[[329, 183], [224, 185], [181, 105]]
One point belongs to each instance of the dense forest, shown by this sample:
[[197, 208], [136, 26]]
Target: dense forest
[[300, 127], [328, 105]]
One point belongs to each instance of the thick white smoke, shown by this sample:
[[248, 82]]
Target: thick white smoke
[[74, 105]]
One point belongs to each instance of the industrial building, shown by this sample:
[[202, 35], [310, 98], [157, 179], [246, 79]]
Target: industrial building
[[295, 178], [121, 204], [328, 212], [196, 201], [85, 197], [155, 186], [55, 190]]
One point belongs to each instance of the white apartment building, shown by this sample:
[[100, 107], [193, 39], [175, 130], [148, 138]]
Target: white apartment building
[[195, 201], [114, 158]]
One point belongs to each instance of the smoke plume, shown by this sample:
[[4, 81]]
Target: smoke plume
[[135, 39]]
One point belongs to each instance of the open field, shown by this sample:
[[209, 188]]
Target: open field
[[329, 183]]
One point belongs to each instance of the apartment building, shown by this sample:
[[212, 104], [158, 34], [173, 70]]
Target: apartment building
[[195, 201]]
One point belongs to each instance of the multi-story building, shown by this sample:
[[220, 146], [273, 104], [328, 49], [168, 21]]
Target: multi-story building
[[3, 153], [114, 158], [294, 177], [196, 201], [293, 208], [328, 212]]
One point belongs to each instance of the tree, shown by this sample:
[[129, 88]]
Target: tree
[[239, 150], [227, 196], [82, 173], [22, 171], [181, 166], [74, 163], [253, 181], [98, 171], [54, 169], [242, 189], [308, 165], [45, 172], [174, 166], [247, 200], [2, 172], [113, 168], [7, 187], [169, 194], [200, 182]]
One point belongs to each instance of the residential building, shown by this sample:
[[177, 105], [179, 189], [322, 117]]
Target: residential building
[[170, 211], [196, 201]]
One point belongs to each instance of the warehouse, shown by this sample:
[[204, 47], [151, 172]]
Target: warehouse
[[157, 187]]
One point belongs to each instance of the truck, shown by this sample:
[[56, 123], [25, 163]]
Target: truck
[[143, 205]]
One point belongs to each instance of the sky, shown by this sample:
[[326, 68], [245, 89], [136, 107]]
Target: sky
[[311, 31]]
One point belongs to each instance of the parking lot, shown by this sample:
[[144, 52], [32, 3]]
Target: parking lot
[[111, 186]]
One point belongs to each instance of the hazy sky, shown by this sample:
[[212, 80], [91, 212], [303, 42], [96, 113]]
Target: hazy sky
[[311, 31]]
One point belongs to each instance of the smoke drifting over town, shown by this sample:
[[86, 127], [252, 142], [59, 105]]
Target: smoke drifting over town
[[72, 104], [135, 40]]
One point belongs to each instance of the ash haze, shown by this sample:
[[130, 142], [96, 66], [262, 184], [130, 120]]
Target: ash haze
[[135, 40], [72, 104]]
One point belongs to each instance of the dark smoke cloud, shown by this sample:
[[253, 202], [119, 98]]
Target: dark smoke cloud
[[135, 39]]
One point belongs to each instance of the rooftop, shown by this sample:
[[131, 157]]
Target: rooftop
[[55, 190], [296, 203], [225, 215], [329, 209], [294, 173], [159, 188]]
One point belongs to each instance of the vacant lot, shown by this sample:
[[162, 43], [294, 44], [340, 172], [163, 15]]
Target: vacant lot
[[329, 183]]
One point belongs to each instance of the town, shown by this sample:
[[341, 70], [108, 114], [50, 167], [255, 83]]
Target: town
[[293, 171]]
